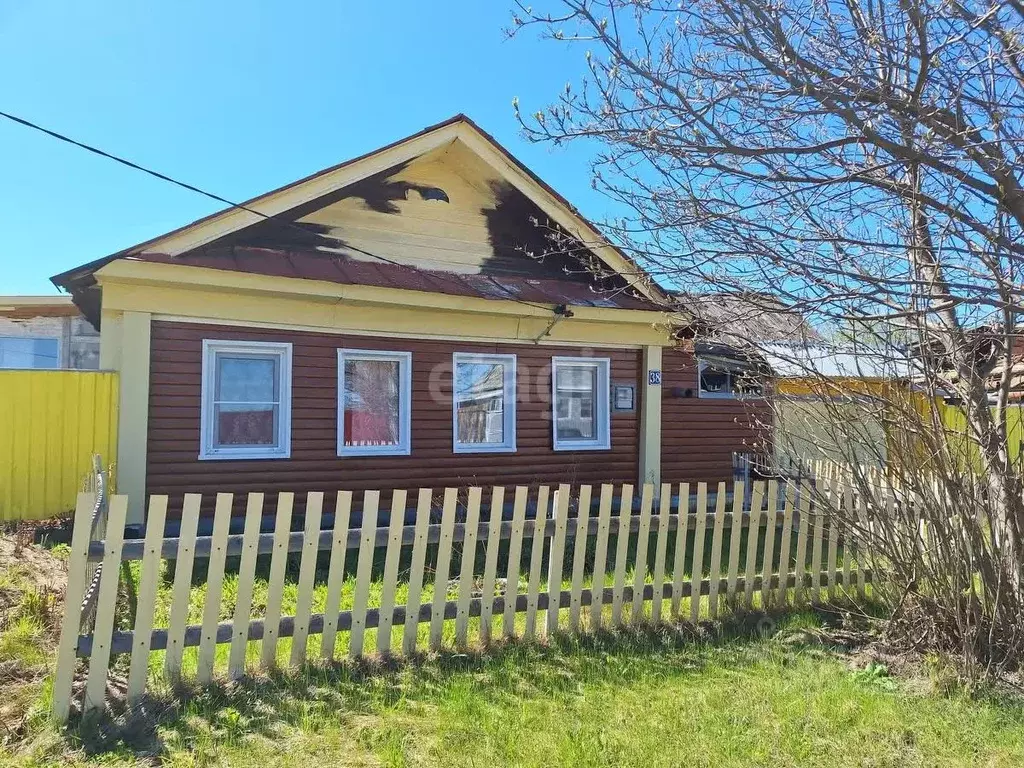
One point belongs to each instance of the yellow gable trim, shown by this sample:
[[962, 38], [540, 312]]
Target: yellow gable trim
[[210, 294]]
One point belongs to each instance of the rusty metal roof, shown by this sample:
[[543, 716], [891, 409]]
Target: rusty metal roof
[[315, 265]]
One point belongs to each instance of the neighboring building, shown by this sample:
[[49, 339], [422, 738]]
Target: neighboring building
[[399, 321], [46, 332], [832, 401]]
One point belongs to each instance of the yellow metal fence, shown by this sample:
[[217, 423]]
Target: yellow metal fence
[[51, 424]]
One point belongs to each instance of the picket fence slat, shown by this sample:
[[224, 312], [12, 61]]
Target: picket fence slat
[[847, 535], [786, 544], [307, 571], [604, 524], [801, 543], [556, 558], [660, 550], [99, 661], [738, 496], [536, 558], [65, 667], [515, 557], [182, 585], [697, 573], [621, 550], [364, 564], [149, 580], [391, 557], [419, 557], [716, 551], [579, 556], [275, 586], [444, 557], [818, 529], [643, 538], [491, 563], [862, 516], [833, 553], [335, 573], [768, 560], [753, 531], [710, 568], [246, 581], [214, 584], [466, 569], [680, 558]]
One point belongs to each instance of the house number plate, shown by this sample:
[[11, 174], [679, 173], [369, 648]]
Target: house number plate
[[654, 378]]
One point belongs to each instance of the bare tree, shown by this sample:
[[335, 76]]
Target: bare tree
[[860, 163]]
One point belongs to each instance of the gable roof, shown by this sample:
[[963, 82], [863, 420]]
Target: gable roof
[[189, 240]]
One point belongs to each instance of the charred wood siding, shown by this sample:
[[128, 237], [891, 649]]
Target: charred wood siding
[[699, 436], [173, 466]]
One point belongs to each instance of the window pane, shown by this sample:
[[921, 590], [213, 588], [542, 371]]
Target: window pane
[[480, 399], [714, 380], [246, 379], [372, 402], [29, 353], [746, 384], [242, 424], [575, 392]]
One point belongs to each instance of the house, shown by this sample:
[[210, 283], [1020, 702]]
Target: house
[[399, 321], [46, 332]]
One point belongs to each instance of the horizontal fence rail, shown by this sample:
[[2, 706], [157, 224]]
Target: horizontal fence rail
[[468, 569]]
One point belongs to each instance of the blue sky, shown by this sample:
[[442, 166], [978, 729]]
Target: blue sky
[[238, 98]]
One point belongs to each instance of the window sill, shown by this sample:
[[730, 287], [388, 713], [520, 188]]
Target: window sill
[[243, 455], [356, 452], [484, 449], [583, 447], [727, 396]]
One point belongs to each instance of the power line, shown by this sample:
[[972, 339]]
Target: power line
[[192, 188]]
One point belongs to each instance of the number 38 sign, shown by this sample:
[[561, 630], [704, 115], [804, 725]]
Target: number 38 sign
[[654, 378]]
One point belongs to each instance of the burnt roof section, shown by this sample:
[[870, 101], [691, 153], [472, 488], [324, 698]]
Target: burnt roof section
[[315, 265]]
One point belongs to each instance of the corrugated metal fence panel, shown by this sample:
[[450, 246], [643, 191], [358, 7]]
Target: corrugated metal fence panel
[[51, 423]]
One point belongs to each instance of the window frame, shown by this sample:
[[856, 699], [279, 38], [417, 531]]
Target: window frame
[[602, 404], [211, 348], [508, 361], [729, 394], [404, 360], [33, 337]]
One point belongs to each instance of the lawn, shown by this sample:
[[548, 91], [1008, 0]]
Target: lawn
[[643, 698]]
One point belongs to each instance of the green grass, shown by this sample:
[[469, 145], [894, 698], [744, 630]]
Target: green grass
[[646, 697]]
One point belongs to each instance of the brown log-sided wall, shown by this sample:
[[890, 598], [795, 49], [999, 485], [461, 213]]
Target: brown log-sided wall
[[173, 466], [700, 435]]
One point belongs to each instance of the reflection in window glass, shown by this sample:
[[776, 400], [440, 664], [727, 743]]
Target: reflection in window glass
[[714, 380], [484, 392], [247, 400], [372, 389], [25, 352], [575, 391], [725, 380]]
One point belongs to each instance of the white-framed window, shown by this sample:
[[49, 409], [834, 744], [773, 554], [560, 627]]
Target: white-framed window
[[374, 403], [246, 400], [29, 352], [483, 403], [580, 390], [726, 379]]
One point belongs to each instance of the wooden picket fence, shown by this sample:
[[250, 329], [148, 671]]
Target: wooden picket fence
[[790, 555]]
